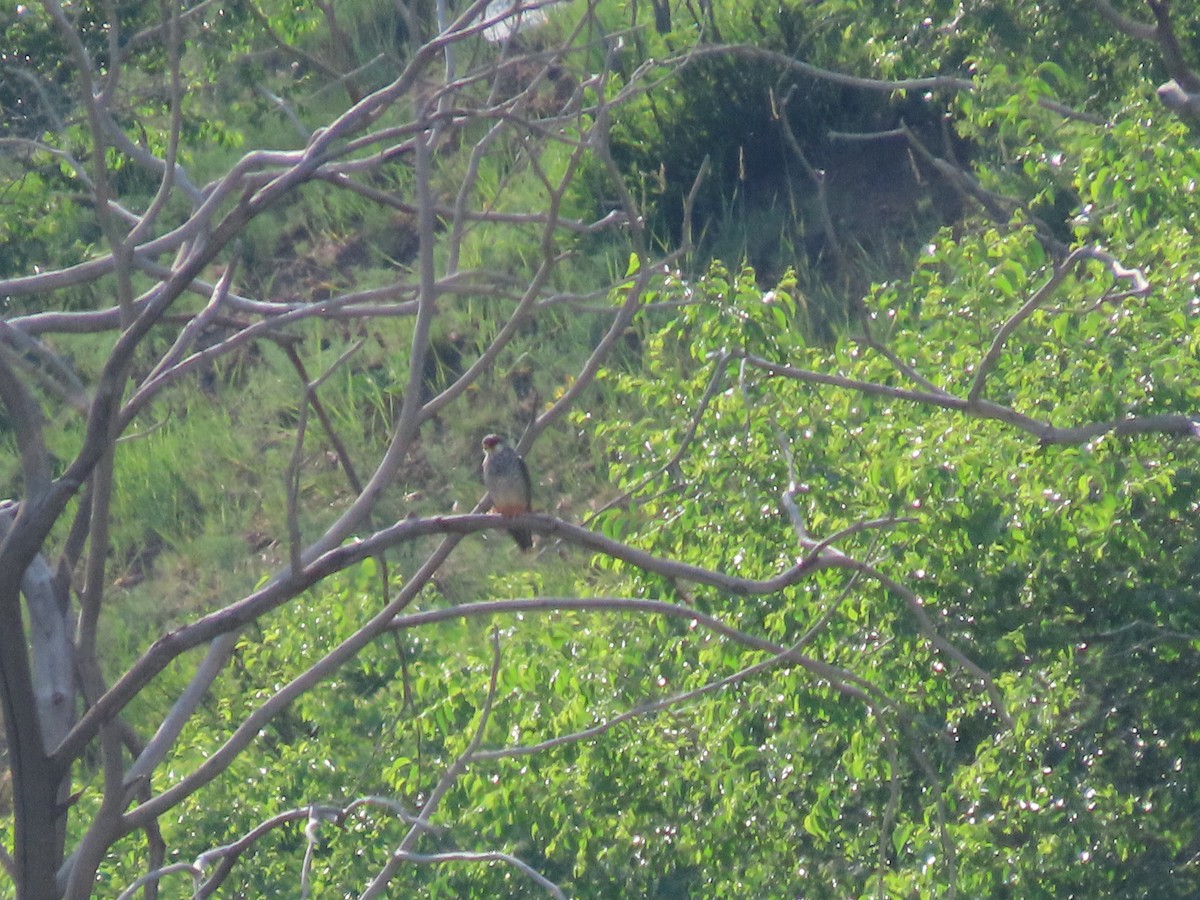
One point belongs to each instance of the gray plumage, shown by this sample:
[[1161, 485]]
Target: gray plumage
[[507, 480]]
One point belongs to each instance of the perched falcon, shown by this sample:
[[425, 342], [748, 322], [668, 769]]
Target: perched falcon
[[507, 480]]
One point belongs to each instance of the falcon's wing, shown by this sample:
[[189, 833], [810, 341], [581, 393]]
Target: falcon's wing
[[524, 470]]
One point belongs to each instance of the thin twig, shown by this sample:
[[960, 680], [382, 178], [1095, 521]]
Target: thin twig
[[1140, 287], [156, 875], [689, 434], [759, 54], [291, 482], [646, 709], [486, 856], [311, 387], [379, 883]]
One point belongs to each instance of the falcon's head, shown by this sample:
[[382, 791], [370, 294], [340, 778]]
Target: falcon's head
[[492, 441]]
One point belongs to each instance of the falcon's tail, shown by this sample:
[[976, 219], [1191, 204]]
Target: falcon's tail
[[523, 537]]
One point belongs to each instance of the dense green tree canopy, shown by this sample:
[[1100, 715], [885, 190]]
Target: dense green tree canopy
[[854, 351]]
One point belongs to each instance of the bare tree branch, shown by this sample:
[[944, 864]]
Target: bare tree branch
[[1139, 287], [157, 875], [485, 856], [689, 434], [747, 51], [649, 708], [1181, 93], [26, 415], [1173, 424], [1143, 31]]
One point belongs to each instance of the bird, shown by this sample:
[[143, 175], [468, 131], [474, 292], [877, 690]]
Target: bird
[[507, 479]]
